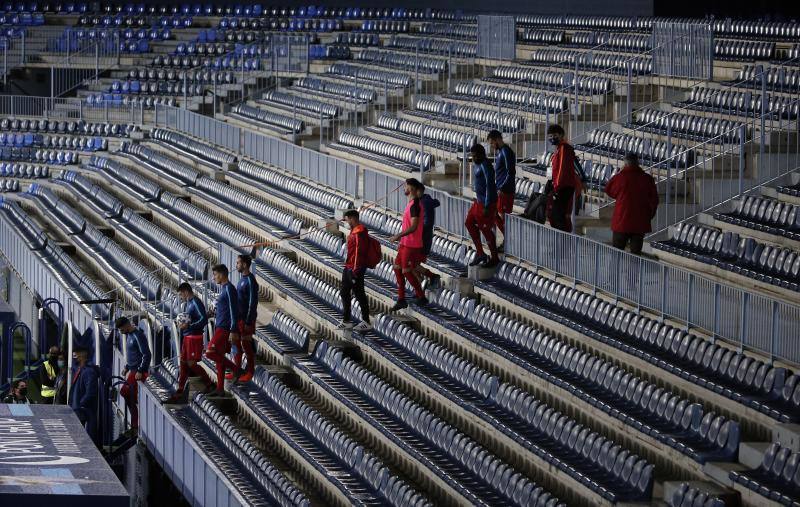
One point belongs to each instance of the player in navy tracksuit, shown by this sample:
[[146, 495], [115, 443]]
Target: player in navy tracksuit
[[137, 365], [429, 205], [83, 391], [247, 293], [505, 171], [191, 343], [226, 330]]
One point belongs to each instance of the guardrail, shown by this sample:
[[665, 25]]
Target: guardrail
[[738, 316]]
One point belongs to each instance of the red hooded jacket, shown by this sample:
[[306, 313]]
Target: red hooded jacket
[[357, 245], [564, 167], [637, 200]]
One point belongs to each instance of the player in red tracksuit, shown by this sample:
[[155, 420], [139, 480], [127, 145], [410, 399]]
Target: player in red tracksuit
[[410, 254], [191, 344], [353, 273], [565, 181], [637, 202], [226, 328]]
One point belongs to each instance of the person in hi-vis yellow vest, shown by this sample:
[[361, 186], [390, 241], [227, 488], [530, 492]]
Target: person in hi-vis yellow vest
[[49, 373]]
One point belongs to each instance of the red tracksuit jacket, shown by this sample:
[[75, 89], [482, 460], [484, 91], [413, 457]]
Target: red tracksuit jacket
[[637, 200], [357, 248]]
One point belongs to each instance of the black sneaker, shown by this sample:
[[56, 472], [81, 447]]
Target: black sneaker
[[423, 301], [401, 303], [490, 263], [478, 260], [435, 281]]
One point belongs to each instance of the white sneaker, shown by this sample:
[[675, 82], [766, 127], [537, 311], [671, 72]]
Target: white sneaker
[[345, 325], [363, 327]]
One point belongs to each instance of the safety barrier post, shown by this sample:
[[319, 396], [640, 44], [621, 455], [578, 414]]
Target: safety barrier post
[[742, 134]]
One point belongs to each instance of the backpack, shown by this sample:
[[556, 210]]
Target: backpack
[[536, 207], [373, 252]]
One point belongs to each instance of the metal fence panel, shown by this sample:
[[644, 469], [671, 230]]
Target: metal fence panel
[[310, 164], [741, 317], [683, 50], [497, 37]]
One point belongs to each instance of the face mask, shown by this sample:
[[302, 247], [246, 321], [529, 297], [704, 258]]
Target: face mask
[[52, 359], [61, 364], [553, 141], [407, 193], [23, 392]]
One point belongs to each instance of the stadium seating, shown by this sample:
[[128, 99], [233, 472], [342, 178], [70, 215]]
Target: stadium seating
[[778, 477], [732, 252], [304, 194], [267, 119], [686, 495], [330, 89], [188, 145], [764, 214], [359, 471], [737, 376]]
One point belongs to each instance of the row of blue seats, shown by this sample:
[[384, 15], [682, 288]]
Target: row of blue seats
[[460, 461], [339, 91], [135, 87], [202, 76], [175, 170], [153, 34], [68, 127], [466, 115], [144, 190], [689, 126], [299, 192], [729, 251], [134, 276], [329, 52], [606, 468], [227, 62], [284, 335], [9, 185], [54, 141], [793, 190], [740, 103], [657, 153], [42, 156], [122, 20], [66, 271], [148, 235], [193, 146], [105, 100], [209, 228], [690, 496], [360, 475], [654, 411], [284, 123], [742, 378], [22, 19], [278, 221], [764, 214], [270, 219], [778, 477]]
